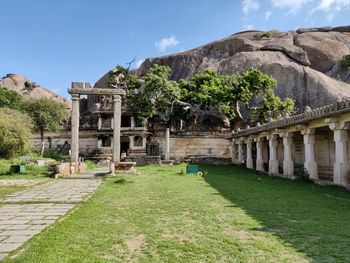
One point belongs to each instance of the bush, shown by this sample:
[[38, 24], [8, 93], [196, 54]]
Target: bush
[[266, 35], [52, 154], [345, 62], [10, 99], [302, 173], [15, 133]]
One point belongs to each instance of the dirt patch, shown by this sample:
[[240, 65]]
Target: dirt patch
[[178, 237], [136, 243]]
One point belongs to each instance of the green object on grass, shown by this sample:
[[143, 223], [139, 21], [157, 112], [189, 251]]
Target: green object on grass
[[18, 168], [192, 169]]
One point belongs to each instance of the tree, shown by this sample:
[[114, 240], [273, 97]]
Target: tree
[[10, 99], [211, 90], [47, 115], [156, 97], [15, 132]]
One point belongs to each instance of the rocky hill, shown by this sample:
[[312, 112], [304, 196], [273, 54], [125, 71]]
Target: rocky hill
[[28, 89], [304, 62]]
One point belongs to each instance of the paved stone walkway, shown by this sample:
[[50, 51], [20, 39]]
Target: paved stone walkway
[[24, 214]]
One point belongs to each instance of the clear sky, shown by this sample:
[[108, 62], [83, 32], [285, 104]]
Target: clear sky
[[54, 42]]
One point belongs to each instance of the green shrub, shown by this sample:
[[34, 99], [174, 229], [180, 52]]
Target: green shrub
[[345, 62], [266, 35], [10, 99], [90, 165], [302, 173], [15, 133], [52, 154]]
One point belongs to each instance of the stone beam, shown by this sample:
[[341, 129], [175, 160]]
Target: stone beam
[[94, 91]]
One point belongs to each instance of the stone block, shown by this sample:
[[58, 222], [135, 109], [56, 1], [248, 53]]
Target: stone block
[[62, 169]]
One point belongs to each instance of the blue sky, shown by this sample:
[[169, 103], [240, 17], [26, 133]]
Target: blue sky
[[54, 42]]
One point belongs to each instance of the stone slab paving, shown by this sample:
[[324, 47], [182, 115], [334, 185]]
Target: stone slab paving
[[26, 213], [59, 191]]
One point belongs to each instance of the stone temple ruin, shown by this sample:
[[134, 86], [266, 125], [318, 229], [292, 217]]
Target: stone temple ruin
[[103, 129]]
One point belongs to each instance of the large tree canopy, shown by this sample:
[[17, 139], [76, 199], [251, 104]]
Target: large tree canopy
[[208, 91], [156, 96], [47, 115]]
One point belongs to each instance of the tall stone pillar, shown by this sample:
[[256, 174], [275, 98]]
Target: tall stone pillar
[[234, 159], [75, 130], [167, 144], [309, 146], [132, 122], [144, 142], [99, 123], [259, 154], [131, 142], [273, 162], [341, 164], [288, 165], [240, 152], [117, 108], [249, 154]]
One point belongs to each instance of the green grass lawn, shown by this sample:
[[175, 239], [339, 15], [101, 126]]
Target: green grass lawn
[[228, 215]]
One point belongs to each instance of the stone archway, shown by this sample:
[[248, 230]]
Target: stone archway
[[78, 89]]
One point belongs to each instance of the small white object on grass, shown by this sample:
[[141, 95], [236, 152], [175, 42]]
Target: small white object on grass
[[200, 174]]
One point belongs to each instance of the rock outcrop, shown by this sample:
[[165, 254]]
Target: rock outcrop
[[304, 62], [29, 89]]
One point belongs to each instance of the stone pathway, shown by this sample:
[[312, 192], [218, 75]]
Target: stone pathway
[[26, 213]]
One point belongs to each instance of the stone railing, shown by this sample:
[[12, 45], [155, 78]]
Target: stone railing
[[329, 110]]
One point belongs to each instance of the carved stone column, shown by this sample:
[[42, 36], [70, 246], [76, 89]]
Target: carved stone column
[[288, 165], [75, 130], [167, 144], [341, 163], [249, 154], [240, 152], [259, 154], [99, 123], [144, 142], [117, 106], [234, 147], [132, 122], [273, 162], [131, 142], [310, 163]]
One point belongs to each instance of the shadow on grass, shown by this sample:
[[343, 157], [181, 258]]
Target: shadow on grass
[[315, 220], [122, 180]]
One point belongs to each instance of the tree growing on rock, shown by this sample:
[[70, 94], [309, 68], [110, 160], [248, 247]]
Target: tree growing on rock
[[156, 96], [211, 90], [47, 115], [15, 132]]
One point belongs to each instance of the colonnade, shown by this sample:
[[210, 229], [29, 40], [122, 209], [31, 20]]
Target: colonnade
[[271, 140]]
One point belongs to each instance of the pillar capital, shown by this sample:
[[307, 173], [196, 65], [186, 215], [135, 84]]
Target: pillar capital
[[285, 134], [272, 137], [117, 98], [75, 97], [308, 131], [336, 124]]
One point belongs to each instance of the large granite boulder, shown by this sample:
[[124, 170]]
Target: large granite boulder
[[304, 62], [324, 49], [29, 89]]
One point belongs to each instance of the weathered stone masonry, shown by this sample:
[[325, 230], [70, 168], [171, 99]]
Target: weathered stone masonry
[[317, 140]]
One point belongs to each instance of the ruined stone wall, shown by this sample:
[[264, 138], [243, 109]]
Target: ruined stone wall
[[184, 146], [87, 141]]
